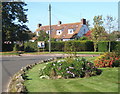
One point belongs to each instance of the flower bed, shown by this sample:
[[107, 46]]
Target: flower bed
[[108, 60], [69, 68]]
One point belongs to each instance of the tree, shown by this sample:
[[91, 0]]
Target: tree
[[13, 21], [43, 36], [97, 31], [109, 21]]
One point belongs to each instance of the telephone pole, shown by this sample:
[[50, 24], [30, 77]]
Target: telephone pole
[[50, 28]]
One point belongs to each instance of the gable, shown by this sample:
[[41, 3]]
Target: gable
[[83, 30]]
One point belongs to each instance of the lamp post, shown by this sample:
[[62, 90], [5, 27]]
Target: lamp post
[[50, 28]]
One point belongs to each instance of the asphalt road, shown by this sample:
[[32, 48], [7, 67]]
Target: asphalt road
[[11, 65]]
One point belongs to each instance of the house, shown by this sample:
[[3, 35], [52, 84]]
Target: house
[[65, 32]]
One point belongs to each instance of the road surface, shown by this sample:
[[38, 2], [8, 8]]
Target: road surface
[[12, 64]]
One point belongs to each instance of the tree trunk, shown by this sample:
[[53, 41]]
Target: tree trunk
[[109, 47], [95, 47]]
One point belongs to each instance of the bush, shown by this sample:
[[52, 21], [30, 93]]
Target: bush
[[69, 68], [108, 60], [30, 46], [7, 47], [16, 47]]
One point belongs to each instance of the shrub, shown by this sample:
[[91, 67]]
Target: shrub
[[16, 47], [108, 60], [30, 46], [69, 68], [7, 47]]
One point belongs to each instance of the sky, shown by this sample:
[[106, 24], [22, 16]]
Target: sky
[[68, 12]]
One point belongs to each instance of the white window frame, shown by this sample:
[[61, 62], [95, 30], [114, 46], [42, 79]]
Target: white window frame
[[58, 32], [47, 31], [69, 31]]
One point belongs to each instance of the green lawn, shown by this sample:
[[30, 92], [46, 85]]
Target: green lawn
[[106, 82]]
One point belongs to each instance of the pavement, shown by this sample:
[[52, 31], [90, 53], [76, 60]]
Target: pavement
[[12, 64]]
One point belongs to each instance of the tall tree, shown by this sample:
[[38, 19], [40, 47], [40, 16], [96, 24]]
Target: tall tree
[[110, 25], [13, 21], [97, 31]]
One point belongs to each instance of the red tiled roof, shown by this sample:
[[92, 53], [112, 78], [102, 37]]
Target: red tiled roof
[[88, 33], [64, 27]]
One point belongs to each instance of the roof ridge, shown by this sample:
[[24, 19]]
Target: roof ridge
[[63, 24]]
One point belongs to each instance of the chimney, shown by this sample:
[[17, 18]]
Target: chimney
[[59, 22], [39, 25], [83, 21]]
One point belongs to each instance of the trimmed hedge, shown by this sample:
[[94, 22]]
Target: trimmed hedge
[[104, 45], [73, 46], [70, 46]]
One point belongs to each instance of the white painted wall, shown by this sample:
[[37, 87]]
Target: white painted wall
[[37, 33], [67, 39], [84, 29]]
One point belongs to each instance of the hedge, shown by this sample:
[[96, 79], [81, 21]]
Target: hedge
[[72, 46], [104, 45]]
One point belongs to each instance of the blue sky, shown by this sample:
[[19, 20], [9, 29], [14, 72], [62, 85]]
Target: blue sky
[[68, 12]]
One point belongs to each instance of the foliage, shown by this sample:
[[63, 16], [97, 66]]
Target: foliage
[[109, 25], [43, 36], [16, 47], [70, 47], [30, 46], [109, 59], [70, 68], [55, 46], [78, 46], [13, 19], [83, 38], [97, 31], [103, 46]]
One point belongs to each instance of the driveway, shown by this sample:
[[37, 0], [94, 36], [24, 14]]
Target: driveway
[[12, 64]]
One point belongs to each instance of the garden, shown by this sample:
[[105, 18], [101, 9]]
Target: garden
[[76, 74]]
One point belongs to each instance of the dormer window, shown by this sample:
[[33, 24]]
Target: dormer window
[[70, 31], [59, 32]]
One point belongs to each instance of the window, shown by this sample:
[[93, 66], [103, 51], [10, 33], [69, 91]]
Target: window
[[70, 31], [47, 31], [59, 32]]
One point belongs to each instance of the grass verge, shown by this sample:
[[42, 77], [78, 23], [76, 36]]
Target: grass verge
[[39, 53], [9, 53], [62, 53]]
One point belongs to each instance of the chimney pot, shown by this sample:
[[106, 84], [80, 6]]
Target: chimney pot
[[83, 21], [39, 25], [59, 22]]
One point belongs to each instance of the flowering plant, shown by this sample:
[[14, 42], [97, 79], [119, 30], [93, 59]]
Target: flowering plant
[[70, 68], [109, 59]]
